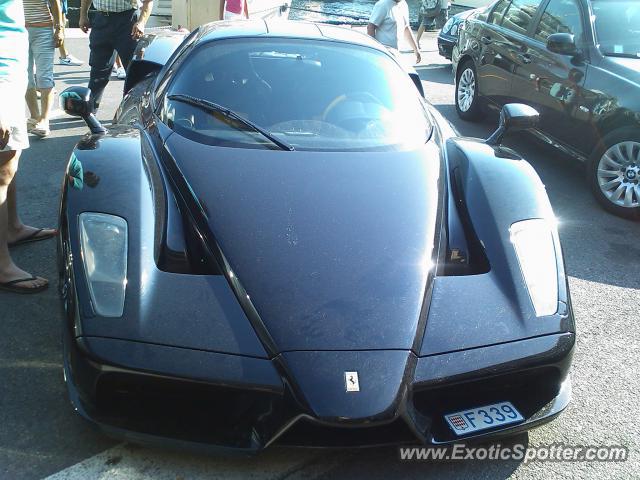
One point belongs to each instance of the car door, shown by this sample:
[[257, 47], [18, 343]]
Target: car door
[[489, 44], [502, 41], [550, 82], [517, 23]]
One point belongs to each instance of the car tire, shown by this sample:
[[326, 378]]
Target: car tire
[[613, 172], [466, 95]]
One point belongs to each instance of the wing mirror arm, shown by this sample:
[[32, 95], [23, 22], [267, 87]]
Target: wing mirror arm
[[76, 101], [496, 137], [94, 124], [579, 57], [514, 117]]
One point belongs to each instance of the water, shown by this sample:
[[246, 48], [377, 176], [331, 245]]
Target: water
[[338, 11]]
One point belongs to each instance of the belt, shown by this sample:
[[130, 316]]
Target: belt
[[109, 14]]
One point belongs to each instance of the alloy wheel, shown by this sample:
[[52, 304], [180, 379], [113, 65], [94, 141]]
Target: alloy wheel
[[619, 174], [466, 89]]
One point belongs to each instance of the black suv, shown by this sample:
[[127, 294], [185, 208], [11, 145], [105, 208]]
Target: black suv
[[578, 63]]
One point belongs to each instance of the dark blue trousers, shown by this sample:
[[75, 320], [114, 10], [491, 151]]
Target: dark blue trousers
[[109, 33]]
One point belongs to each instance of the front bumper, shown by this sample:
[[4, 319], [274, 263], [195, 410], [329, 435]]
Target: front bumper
[[445, 45], [163, 395]]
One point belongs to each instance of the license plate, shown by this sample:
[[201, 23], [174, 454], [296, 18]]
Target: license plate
[[489, 416]]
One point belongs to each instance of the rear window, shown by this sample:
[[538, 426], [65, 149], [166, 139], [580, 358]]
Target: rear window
[[314, 95]]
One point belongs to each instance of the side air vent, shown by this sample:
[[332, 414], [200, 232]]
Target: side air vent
[[465, 254]]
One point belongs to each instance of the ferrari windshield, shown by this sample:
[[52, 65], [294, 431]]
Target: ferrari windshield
[[618, 27], [311, 95]]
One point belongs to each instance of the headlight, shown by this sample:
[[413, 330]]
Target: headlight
[[104, 240], [447, 26], [454, 30], [534, 244]]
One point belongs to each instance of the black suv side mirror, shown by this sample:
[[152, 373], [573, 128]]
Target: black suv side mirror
[[76, 101], [514, 117], [562, 43]]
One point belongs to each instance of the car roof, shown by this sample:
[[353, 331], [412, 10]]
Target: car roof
[[279, 28]]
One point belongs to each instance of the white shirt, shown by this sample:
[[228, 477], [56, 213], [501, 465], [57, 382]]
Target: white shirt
[[14, 50], [390, 18]]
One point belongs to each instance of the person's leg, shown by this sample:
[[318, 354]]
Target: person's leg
[[65, 57], [32, 103], [420, 32], [101, 45], [118, 69], [46, 102], [9, 271], [16, 230], [62, 48], [44, 73], [442, 18], [31, 96], [125, 45], [432, 23], [13, 218], [63, 8], [43, 53]]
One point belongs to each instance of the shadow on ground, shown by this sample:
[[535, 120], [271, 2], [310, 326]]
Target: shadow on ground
[[385, 463], [436, 73], [39, 425]]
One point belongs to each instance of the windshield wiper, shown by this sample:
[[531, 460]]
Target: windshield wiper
[[214, 107], [622, 55]]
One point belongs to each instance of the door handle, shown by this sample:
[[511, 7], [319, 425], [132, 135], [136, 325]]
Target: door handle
[[524, 57], [485, 40]]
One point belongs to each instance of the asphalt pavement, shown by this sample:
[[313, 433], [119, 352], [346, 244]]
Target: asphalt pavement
[[41, 436]]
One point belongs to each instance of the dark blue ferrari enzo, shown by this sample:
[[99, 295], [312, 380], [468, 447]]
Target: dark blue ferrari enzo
[[278, 241]]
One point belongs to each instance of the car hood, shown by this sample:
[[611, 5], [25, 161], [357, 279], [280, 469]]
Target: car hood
[[332, 249], [627, 68]]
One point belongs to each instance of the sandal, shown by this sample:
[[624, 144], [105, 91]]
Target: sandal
[[34, 237], [12, 286]]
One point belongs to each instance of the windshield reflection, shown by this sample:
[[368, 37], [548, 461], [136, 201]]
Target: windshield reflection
[[314, 95]]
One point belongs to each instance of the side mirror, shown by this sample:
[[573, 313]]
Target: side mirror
[[514, 117], [562, 43], [76, 101]]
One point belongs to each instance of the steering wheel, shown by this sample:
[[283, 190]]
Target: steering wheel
[[364, 97], [309, 127]]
